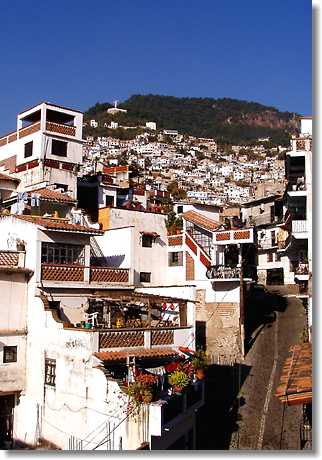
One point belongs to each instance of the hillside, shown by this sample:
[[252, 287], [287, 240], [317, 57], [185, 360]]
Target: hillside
[[228, 120]]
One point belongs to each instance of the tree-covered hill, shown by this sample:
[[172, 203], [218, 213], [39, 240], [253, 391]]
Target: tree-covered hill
[[228, 120]]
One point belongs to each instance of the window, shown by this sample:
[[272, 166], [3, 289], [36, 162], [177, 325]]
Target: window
[[68, 254], [145, 277], [278, 257], [50, 371], [273, 236], [147, 241], [64, 187], [59, 148], [180, 209], [175, 259], [10, 354], [28, 149], [109, 201], [269, 257]]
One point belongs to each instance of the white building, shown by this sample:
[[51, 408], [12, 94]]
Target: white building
[[45, 149], [151, 125], [65, 335]]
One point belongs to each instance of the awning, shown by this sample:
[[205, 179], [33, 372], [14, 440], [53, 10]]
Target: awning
[[152, 234], [296, 379], [141, 353]]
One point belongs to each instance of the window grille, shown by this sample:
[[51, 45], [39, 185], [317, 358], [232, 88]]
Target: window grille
[[50, 372], [68, 254]]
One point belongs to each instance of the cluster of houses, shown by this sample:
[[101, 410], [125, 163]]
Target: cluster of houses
[[200, 169], [99, 290]]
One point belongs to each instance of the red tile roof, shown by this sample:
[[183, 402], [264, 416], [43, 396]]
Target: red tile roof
[[138, 353], [9, 258], [54, 195], [200, 220], [59, 224], [10, 178], [296, 378]]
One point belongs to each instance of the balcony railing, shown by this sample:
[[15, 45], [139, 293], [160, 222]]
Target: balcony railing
[[66, 273], [60, 128], [29, 129], [109, 275], [60, 272], [299, 226], [302, 269], [142, 337], [301, 144], [222, 272]]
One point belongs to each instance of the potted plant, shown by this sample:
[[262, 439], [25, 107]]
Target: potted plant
[[179, 380], [199, 363]]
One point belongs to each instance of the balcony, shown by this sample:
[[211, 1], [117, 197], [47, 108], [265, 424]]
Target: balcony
[[234, 236], [33, 128], [65, 130], [221, 272], [61, 272], [79, 273], [109, 275], [301, 145], [302, 272], [299, 229]]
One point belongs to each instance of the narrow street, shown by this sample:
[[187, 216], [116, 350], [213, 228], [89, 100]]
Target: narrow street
[[264, 423], [241, 410]]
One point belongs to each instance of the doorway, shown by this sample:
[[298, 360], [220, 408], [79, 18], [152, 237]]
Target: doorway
[[7, 404]]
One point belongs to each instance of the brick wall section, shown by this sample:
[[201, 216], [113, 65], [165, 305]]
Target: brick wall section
[[221, 321], [190, 267]]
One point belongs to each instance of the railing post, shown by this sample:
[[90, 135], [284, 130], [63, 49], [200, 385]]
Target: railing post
[[87, 274], [147, 339]]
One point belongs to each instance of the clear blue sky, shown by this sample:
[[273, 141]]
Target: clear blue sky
[[76, 53]]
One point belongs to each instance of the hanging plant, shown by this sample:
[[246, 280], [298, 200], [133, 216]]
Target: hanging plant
[[141, 391]]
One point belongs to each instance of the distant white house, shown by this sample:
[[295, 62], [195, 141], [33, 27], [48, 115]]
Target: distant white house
[[94, 124], [151, 125]]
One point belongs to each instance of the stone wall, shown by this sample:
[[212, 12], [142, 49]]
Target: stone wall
[[222, 330]]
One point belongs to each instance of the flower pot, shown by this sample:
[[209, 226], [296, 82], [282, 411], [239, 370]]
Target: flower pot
[[200, 374], [177, 390]]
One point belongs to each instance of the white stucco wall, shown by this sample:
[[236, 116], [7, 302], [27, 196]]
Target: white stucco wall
[[116, 245], [154, 259]]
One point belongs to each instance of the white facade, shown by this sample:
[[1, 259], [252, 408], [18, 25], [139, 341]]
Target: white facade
[[47, 150]]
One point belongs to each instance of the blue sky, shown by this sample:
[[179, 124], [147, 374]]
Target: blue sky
[[76, 53]]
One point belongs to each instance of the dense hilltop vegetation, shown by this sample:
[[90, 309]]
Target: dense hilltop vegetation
[[228, 120]]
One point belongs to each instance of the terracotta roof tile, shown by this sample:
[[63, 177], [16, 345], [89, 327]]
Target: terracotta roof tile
[[9, 258], [54, 195], [59, 224], [296, 378], [138, 353], [10, 178], [201, 220]]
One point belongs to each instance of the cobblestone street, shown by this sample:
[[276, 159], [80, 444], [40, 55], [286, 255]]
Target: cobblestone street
[[263, 422], [241, 410]]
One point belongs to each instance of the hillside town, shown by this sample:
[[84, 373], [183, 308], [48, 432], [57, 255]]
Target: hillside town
[[202, 170], [153, 288]]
